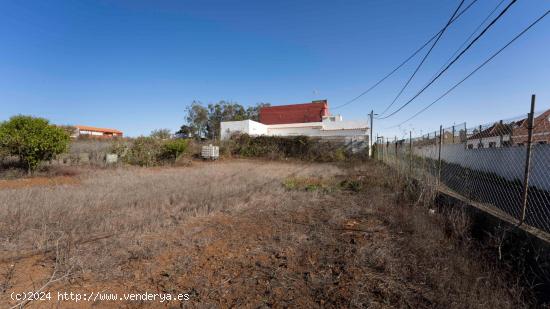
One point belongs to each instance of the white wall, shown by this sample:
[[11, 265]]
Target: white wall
[[230, 127], [84, 132], [486, 140], [507, 162], [245, 126], [256, 128], [316, 129], [293, 131]]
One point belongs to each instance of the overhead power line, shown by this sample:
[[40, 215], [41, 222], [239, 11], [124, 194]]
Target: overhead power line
[[469, 37], [423, 59], [404, 62], [454, 60], [474, 71]]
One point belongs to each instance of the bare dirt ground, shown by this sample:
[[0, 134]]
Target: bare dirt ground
[[239, 234]]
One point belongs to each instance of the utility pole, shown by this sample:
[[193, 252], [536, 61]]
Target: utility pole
[[371, 115], [439, 154], [527, 161], [377, 151], [410, 153]]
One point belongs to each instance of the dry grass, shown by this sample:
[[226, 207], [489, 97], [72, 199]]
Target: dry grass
[[245, 233]]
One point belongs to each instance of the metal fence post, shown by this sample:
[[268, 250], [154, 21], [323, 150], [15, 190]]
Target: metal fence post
[[453, 133], [387, 149], [439, 154], [480, 138], [395, 142], [501, 137], [410, 153], [527, 160], [465, 136]]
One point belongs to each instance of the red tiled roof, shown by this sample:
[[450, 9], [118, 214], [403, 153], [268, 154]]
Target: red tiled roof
[[95, 129], [294, 113]]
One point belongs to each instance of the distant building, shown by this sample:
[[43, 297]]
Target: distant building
[[96, 132], [312, 119], [497, 135], [294, 113], [541, 130]]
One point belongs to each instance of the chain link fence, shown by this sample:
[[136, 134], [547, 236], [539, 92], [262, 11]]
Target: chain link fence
[[504, 165]]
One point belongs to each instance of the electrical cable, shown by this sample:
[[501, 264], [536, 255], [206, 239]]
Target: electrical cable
[[404, 62], [423, 60], [452, 62], [474, 71]]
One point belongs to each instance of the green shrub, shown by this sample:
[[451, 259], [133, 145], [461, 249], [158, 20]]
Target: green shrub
[[290, 183], [144, 151], [119, 147], [33, 140], [306, 184], [277, 147], [227, 148], [172, 149], [339, 154], [351, 184], [3, 153]]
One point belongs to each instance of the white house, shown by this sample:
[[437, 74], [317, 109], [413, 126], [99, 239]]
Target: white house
[[331, 127], [497, 135]]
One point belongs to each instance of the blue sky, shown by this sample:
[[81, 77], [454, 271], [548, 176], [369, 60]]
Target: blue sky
[[135, 65]]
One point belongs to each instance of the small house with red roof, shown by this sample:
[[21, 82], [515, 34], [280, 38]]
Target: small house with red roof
[[96, 132]]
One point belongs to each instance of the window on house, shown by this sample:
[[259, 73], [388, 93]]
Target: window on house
[[506, 144], [470, 146], [480, 145], [542, 143], [520, 144], [492, 144]]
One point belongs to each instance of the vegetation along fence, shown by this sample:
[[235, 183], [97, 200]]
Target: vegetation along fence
[[503, 165]]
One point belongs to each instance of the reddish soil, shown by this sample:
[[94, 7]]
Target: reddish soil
[[38, 181], [255, 258]]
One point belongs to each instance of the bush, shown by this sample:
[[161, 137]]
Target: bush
[[33, 140], [150, 151], [161, 134], [144, 151], [119, 147], [298, 147], [172, 149], [339, 154]]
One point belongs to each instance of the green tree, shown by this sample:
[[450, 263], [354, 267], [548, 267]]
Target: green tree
[[185, 131], [33, 140], [173, 148], [161, 134], [223, 111], [205, 121], [253, 112], [197, 119]]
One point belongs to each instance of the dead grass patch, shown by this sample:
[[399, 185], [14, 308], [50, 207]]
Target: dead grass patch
[[231, 235]]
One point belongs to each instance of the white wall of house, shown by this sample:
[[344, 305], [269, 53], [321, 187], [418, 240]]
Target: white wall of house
[[84, 132], [293, 131], [344, 131], [245, 126], [313, 129], [256, 128], [487, 142]]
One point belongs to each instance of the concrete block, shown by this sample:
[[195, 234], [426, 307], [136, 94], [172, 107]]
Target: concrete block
[[111, 158]]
